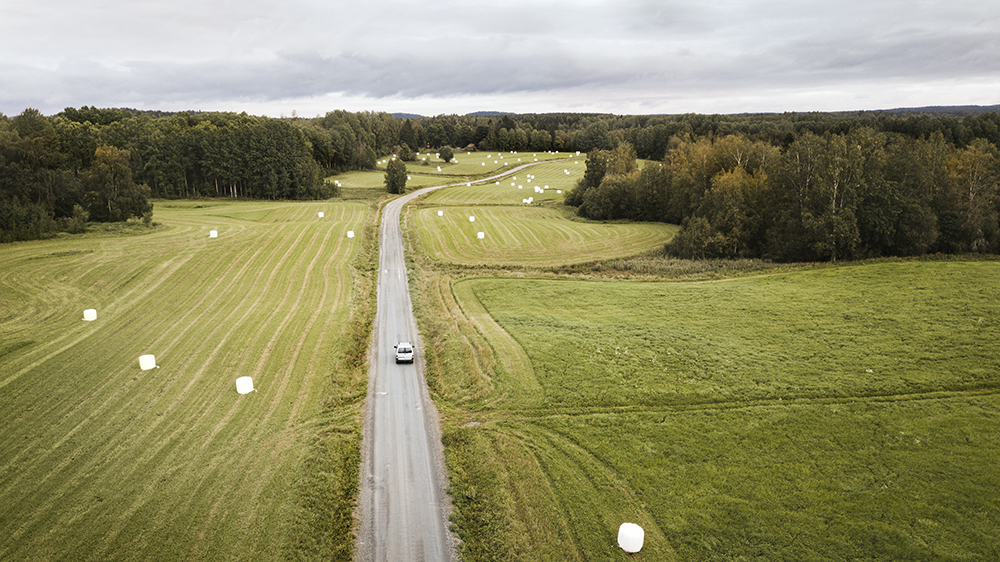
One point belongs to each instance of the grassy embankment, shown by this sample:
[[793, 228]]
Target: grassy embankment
[[100, 460], [846, 412]]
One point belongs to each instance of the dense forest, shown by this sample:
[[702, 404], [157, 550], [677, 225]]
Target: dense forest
[[863, 193], [904, 168]]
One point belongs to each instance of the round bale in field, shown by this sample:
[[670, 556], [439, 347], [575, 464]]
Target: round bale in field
[[147, 362], [630, 537], [244, 385]]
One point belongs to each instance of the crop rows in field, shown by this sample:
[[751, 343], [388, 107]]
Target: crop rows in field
[[101, 460], [529, 236]]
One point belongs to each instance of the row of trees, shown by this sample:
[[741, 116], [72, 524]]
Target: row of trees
[[352, 133], [862, 193], [49, 165], [43, 188], [199, 155], [56, 173]]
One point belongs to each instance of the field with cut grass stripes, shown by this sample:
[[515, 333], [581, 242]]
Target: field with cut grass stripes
[[533, 236], [551, 178], [469, 168], [100, 460], [848, 413]]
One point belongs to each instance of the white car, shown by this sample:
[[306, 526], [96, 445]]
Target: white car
[[404, 352]]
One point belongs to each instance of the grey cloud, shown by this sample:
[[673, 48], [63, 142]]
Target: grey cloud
[[615, 52]]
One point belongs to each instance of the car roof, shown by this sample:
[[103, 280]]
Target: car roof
[[406, 343]]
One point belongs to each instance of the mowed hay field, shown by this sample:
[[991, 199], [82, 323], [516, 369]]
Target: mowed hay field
[[528, 235], [514, 233], [470, 167], [100, 460], [839, 413]]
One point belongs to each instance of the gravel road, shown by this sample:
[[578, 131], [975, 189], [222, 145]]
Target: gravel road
[[403, 505]]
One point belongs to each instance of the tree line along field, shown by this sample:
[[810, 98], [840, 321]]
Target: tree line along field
[[100, 460], [839, 412]]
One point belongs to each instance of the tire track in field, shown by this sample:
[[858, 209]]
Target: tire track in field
[[662, 410], [511, 355], [618, 500]]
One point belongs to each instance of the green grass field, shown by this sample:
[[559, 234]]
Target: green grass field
[[843, 412], [549, 177], [524, 235], [839, 413], [516, 233], [470, 168], [100, 460], [472, 164]]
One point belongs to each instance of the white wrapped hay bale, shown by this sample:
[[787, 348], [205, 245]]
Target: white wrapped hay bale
[[481, 235], [213, 233], [320, 214], [472, 219], [630, 537], [244, 385], [350, 234], [90, 314], [147, 362], [440, 213]]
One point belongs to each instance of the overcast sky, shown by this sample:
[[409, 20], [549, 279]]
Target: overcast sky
[[271, 57]]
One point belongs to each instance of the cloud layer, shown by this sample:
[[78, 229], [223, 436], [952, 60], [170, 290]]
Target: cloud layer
[[633, 56]]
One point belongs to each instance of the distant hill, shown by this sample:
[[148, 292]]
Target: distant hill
[[408, 116], [490, 113], [956, 110]]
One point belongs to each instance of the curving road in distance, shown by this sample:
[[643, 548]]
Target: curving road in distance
[[403, 504]]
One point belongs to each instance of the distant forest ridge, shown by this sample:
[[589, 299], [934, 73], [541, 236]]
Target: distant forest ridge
[[954, 110], [931, 110], [57, 172]]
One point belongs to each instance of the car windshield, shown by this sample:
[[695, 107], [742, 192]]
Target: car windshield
[[405, 350]]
